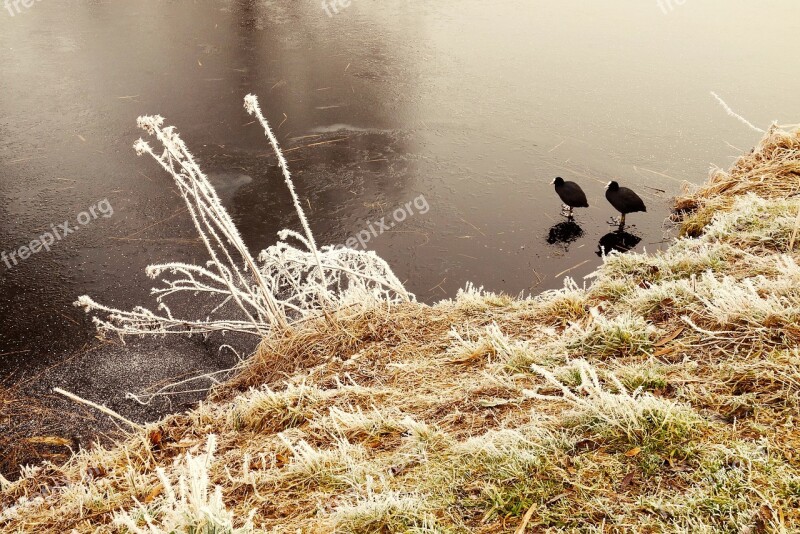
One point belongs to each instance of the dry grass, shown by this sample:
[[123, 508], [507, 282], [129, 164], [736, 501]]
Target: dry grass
[[663, 398], [31, 431], [770, 170]]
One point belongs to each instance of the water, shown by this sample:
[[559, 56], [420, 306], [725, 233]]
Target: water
[[470, 105]]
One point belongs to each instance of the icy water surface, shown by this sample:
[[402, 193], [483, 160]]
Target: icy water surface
[[466, 109]]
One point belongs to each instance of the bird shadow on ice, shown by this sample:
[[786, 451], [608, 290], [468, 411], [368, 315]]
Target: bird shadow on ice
[[618, 240], [564, 233]]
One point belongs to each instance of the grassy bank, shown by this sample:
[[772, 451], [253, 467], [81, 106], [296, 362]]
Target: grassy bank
[[661, 398]]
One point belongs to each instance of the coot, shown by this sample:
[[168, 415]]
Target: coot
[[571, 195], [624, 200]]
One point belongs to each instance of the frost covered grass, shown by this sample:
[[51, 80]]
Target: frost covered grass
[[267, 409], [360, 425], [504, 472], [662, 397], [384, 511], [617, 336], [627, 420], [191, 507], [340, 466], [769, 171]]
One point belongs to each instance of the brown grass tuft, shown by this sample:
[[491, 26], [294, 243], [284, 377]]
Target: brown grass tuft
[[770, 170]]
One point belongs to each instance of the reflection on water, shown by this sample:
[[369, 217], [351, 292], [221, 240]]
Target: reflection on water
[[619, 240], [565, 233]]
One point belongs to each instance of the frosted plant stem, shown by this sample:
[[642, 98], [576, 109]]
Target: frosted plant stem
[[235, 238], [225, 276], [200, 190], [735, 115], [107, 411], [253, 108], [222, 219]]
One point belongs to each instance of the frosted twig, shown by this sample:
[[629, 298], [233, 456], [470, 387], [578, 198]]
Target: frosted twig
[[104, 409], [735, 115], [253, 108], [146, 398]]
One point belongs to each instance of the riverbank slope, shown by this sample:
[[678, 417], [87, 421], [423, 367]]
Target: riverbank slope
[[660, 398]]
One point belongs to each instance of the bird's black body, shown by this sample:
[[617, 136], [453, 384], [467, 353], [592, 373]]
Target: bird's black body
[[571, 194], [623, 199]]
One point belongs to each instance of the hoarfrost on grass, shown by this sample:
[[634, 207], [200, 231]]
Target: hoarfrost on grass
[[635, 418], [194, 507]]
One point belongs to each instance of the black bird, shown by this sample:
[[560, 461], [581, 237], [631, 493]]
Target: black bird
[[624, 200], [571, 195]]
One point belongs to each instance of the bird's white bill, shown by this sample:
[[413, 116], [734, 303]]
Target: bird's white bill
[[608, 185], [554, 181]]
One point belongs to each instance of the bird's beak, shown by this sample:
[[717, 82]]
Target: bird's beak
[[554, 181], [608, 185]]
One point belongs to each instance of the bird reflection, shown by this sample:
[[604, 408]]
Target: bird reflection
[[564, 232], [620, 240]]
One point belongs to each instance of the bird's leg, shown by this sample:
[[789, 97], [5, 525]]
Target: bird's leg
[[622, 222]]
